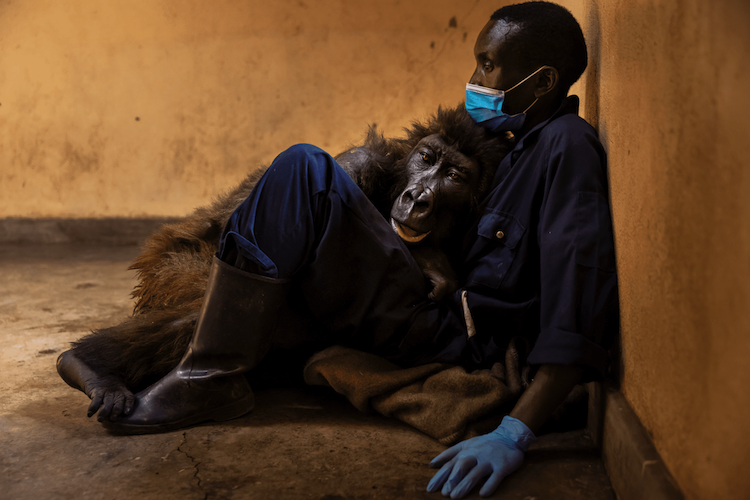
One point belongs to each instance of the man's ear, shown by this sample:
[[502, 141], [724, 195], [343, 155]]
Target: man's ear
[[546, 81]]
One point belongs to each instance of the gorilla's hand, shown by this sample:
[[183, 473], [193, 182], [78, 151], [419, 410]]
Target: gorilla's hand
[[436, 268], [108, 394]]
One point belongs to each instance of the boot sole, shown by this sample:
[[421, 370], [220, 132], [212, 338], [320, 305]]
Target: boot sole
[[228, 412]]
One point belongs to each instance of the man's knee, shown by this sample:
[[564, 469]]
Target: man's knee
[[304, 159]]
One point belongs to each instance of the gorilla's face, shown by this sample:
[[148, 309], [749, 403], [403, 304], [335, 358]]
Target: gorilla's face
[[441, 182]]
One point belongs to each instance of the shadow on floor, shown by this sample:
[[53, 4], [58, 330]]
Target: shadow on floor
[[299, 442]]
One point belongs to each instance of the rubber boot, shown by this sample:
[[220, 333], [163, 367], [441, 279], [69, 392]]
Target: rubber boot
[[233, 333]]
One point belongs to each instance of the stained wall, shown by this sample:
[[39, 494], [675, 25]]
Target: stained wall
[[145, 108], [150, 108], [668, 92]]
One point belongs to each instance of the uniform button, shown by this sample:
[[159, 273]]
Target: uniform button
[[500, 235]]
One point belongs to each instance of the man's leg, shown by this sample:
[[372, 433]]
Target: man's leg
[[306, 222], [309, 222]]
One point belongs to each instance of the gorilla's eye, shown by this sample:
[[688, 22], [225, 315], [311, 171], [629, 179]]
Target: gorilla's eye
[[454, 175], [425, 157]]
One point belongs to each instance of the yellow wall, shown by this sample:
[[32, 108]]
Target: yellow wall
[[220, 87], [670, 96]]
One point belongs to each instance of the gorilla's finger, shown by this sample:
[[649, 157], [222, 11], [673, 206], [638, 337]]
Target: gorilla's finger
[[96, 402], [438, 292], [118, 406], [129, 403], [439, 284], [106, 409]]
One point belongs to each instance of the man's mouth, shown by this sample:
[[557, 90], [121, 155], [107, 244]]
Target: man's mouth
[[407, 234]]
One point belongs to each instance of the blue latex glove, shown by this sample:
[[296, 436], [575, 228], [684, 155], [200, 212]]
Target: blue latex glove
[[496, 454]]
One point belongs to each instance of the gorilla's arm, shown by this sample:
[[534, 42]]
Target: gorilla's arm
[[108, 365], [437, 269], [107, 392], [356, 161], [375, 169]]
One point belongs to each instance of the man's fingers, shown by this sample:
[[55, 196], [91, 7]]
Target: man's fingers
[[447, 455], [460, 468], [492, 483], [439, 478], [471, 480]]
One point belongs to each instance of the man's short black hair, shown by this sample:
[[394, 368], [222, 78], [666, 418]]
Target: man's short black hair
[[548, 35]]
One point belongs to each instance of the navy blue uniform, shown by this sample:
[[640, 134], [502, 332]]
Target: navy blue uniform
[[539, 262]]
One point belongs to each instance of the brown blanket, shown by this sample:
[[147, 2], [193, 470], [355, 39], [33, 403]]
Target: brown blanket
[[441, 400]]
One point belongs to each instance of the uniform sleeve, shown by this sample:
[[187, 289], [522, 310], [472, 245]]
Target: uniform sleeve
[[579, 311]]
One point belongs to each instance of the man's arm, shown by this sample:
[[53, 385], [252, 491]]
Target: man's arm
[[501, 452], [578, 293], [551, 385]]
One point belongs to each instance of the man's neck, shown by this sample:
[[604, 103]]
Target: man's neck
[[543, 113]]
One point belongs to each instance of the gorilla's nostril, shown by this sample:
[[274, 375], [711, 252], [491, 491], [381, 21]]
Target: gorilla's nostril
[[421, 205]]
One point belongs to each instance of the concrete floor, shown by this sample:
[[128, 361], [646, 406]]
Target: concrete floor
[[299, 443]]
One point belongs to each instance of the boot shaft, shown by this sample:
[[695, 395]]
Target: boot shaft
[[238, 317]]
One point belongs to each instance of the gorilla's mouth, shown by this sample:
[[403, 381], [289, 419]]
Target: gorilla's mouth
[[406, 233]]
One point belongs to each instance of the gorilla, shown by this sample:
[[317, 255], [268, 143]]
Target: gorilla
[[428, 184]]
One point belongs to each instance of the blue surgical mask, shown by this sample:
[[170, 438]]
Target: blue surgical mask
[[485, 106]]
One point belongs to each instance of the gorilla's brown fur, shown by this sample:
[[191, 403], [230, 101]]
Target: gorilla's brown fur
[[174, 264]]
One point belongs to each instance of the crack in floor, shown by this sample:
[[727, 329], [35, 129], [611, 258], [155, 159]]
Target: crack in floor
[[196, 464]]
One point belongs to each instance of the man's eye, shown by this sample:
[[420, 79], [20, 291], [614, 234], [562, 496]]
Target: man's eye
[[488, 66]]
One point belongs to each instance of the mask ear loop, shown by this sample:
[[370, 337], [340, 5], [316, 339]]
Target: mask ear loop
[[519, 83], [535, 100]]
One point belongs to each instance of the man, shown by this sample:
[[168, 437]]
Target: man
[[539, 263]]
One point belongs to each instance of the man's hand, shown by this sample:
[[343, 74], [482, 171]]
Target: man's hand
[[496, 455], [501, 452]]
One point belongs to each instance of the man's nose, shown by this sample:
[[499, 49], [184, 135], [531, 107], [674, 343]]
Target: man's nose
[[475, 77]]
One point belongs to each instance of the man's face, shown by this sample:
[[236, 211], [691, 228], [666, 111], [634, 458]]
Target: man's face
[[497, 69]]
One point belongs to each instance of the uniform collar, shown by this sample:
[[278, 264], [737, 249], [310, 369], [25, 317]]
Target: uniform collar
[[568, 105]]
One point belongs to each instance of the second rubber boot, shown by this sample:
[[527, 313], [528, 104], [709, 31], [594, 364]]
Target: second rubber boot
[[233, 333]]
